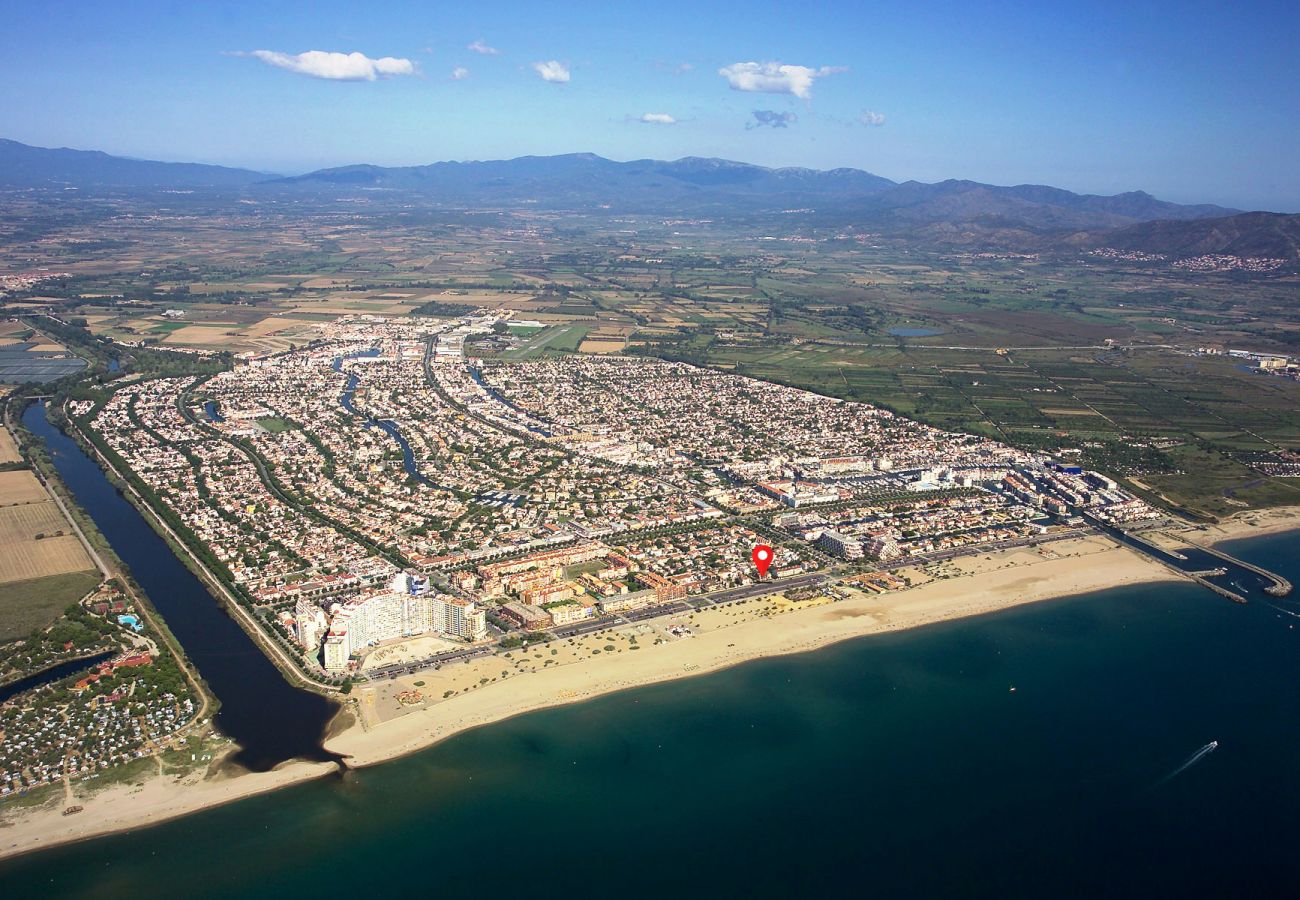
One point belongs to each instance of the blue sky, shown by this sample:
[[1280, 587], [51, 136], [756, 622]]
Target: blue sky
[[1192, 102]]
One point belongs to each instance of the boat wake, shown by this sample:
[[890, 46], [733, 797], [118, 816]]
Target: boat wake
[[1281, 610], [1191, 761]]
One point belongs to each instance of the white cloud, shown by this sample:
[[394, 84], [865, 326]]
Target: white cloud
[[551, 70], [480, 47], [871, 118], [460, 73], [658, 119], [337, 66], [774, 78]]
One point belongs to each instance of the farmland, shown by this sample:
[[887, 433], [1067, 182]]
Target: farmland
[[43, 565], [1057, 350], [36, 602]]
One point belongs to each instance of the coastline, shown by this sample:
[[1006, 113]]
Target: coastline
[[979, 585], [126, 807], [982, 585], [1251, 523], [986, 590]]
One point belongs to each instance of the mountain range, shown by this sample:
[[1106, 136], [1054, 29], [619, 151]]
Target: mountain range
[[953, 211]]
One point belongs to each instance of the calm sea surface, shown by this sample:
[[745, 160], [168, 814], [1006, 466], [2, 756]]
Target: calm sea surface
[[897, 765]]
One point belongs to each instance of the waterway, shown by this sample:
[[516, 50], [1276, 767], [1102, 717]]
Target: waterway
[[271, 720], [477, 374], [52, 674], [347, 401], [213, 411], [1226, 574]]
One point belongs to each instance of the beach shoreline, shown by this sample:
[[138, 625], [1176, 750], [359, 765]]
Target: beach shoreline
[[1251, 523], [980, 585]]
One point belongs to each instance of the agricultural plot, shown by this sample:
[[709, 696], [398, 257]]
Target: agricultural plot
[[8, 448], [36, 540], [20, 487], [36, 602]]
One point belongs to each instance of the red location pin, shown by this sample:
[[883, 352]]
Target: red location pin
[[762, 556]]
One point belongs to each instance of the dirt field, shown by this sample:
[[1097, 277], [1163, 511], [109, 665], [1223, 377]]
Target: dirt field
[[590, 346], [20, 487], [202, 335], [8, 449], [25, 512], [271, 325], [23, 556]]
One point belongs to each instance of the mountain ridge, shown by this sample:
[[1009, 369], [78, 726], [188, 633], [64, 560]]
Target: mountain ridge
[[955, 211]]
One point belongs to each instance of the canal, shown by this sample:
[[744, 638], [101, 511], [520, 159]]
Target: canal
[[347, 401], [52, 674], [271, 720]]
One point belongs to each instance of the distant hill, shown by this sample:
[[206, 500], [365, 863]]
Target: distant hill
[[1028, 205], [948, 212], [1252, 234], [586, 180], [22, 166], [717, 186]]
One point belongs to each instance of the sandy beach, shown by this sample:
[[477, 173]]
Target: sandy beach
[[982, 585], [124, 807], [1252, 523], [436, 705]]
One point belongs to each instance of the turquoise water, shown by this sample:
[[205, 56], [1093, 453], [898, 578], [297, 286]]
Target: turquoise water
[[891, 765]]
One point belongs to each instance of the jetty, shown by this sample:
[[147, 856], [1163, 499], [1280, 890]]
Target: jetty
[[1277, 587]]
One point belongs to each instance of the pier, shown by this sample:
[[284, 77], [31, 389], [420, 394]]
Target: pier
[[1199, 569], [1278, 586]]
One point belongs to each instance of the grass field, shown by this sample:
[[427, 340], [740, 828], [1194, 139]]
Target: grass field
[[36, 602], [558, 338], [275, 424]]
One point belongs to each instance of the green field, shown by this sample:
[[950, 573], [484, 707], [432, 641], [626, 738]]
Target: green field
[[555, 339], [35, 603], [275, 424]]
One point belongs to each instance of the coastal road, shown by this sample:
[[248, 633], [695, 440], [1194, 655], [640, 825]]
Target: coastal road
[[428, 662], [730, 595]]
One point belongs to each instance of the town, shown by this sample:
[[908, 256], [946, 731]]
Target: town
[[380, 485]]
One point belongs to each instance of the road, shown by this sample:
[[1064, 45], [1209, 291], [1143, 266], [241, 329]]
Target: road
[[428, 662]]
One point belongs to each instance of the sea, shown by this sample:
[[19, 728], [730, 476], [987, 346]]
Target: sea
[[1135, 742]]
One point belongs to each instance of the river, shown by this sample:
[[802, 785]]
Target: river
[[271, 720]]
